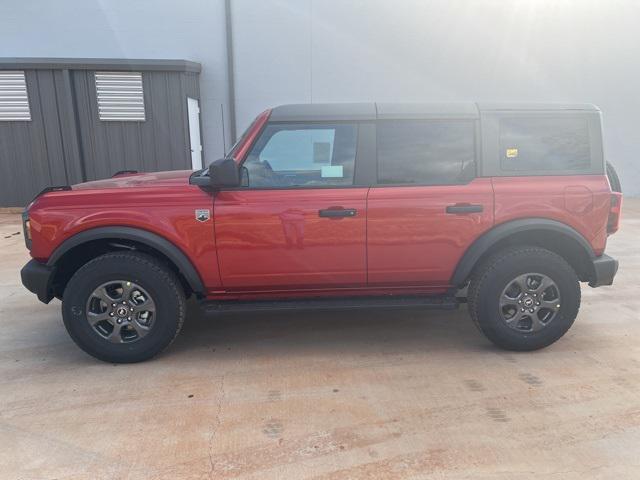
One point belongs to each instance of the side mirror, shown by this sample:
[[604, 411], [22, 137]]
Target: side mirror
[[224, 173], [221, 173]]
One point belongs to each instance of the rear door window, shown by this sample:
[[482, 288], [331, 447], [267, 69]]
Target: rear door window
[[426, 152], [544, 144]]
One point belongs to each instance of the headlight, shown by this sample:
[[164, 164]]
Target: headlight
[[26, 228]]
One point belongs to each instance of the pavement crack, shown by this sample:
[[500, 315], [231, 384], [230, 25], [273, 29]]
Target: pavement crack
[[216, 425]]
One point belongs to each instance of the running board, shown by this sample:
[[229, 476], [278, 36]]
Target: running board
[[351, 303]]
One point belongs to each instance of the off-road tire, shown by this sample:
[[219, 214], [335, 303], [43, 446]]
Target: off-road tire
[[492, 277], [148, 272]]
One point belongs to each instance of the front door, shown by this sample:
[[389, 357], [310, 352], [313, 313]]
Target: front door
[[298, 223]]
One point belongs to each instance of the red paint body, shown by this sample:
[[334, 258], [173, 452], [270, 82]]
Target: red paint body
[[274, 239], [411, 238], [161, 203], [581, 201], [271, 243]]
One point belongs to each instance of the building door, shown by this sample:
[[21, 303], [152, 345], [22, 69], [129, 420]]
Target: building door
[[194, 133], [298, 222]]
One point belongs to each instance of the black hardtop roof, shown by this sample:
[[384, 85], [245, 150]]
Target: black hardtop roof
[[373, 111]]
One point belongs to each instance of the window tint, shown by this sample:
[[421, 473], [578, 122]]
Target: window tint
[[426, 152], [537, 144], [288, 155]]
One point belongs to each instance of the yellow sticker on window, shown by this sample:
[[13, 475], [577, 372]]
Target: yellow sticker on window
[[512, 152]]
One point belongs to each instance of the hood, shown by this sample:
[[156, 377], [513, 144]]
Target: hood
[[153, 179]]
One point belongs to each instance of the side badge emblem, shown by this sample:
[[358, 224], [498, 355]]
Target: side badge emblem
[[203, 215]]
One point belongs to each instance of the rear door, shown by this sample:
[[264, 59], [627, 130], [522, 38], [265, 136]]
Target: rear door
[[428, 206], [299, 221]]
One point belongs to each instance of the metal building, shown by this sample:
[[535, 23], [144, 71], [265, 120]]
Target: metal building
[[259, 54], [64, 121]]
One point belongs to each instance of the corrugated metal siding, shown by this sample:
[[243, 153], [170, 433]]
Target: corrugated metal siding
[[159, 143], [120, 96], [36, 154], [65, 142], [14, 100]]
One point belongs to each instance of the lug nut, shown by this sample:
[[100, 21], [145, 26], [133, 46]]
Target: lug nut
[[131, 309], [522, 309], [537, 303], [519, 301], [129, 318], [113, 304], [531, 311], [119, 320]]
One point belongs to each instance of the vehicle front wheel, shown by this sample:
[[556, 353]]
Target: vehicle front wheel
[[524, 298], [123, 307]]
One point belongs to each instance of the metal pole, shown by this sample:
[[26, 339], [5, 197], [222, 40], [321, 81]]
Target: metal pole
[[230, 71]]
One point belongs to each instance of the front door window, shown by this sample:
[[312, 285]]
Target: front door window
[[298, 155]]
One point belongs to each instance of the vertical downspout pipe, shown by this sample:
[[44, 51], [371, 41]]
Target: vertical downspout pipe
[[230, 71]]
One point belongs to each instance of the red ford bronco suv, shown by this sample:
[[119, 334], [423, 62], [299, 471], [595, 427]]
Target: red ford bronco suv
[[341, 206]]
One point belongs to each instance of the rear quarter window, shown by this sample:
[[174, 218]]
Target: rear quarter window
[[544, 144]]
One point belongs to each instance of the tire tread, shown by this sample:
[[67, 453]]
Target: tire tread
[[159, 270], [488, 268]]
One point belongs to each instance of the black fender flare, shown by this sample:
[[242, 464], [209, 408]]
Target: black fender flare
[[500, 232], [164, 246]]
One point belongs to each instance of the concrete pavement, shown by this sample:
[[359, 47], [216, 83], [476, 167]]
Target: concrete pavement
[[367, 395]]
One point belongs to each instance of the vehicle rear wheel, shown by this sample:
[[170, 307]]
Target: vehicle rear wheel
[[524, 298], [123, 307]]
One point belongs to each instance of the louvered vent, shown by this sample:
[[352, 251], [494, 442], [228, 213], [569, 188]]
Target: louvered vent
[[14, 101], [120, 96]]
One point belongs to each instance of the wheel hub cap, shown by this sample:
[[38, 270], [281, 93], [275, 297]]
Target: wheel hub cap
[[530, 302], [121, 311]]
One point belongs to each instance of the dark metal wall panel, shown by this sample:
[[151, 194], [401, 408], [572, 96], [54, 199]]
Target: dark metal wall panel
[[68, 126], [66, 143], [158, 143], [177, 107], [31, 153], [159, 116], [191, 85], [44, 151], [54, 153], [117, 64]]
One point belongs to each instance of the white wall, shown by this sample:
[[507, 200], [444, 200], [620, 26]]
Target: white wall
[[191, 30], [365, 50], [446, 50]]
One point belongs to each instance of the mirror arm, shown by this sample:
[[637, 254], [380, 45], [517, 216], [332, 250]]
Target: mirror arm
[[202, 181]]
